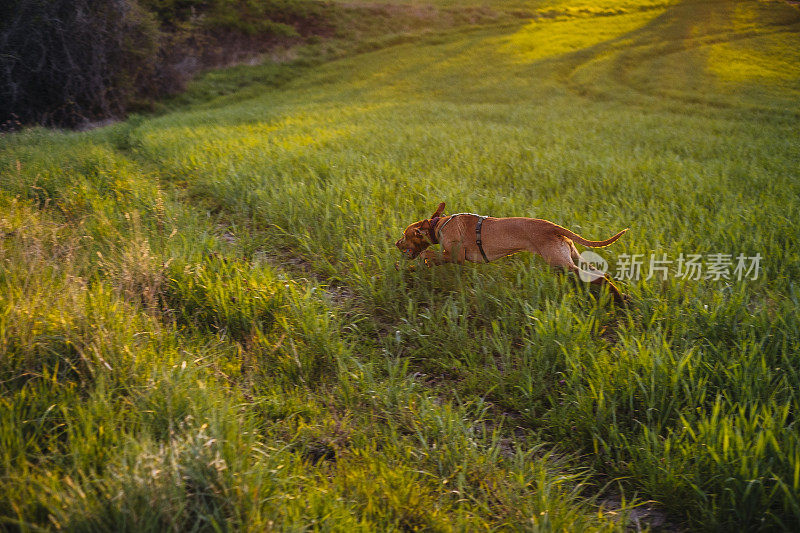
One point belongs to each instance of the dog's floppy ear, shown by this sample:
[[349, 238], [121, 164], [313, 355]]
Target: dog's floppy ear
[[439, 211]]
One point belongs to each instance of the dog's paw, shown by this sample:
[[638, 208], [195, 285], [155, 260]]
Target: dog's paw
[[429, 258], [407, 267]]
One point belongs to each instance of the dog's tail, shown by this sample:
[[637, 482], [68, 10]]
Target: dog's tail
[[591, 244]]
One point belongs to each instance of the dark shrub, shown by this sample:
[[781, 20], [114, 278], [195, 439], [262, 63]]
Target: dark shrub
[[69, 62], [66, 62]]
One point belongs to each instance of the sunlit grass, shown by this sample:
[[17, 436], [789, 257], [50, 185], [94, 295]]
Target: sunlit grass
[[761, 59], [548, 40], [766, 60]]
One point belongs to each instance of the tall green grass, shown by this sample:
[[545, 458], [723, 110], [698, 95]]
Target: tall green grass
[[203, 326], [159, 374]]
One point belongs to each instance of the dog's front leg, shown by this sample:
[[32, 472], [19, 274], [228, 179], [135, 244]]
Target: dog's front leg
[[445, 256], [432, 257]]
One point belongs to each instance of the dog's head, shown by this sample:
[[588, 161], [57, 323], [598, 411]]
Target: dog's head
[[416, 237]]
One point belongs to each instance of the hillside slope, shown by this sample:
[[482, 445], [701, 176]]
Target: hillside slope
[[203, 325]]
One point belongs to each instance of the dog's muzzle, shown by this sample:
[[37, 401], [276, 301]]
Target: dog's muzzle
[[408, 252]]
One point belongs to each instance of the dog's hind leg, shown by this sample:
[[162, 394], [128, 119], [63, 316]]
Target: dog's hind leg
[[580, 261], [597, 277], [563, 254], [574, 253]]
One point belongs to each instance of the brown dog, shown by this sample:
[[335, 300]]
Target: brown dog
[[468, 237]]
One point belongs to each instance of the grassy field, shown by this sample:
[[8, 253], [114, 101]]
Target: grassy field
[[203, 326]]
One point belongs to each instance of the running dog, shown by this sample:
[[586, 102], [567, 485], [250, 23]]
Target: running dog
[[470, 237]]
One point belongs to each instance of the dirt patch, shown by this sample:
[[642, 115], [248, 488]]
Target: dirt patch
[[643, 517], [90, 125], [299, 268]]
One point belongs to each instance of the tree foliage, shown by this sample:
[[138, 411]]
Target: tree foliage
[[68, 62], [63, 62]]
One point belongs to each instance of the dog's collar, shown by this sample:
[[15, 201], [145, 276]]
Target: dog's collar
[[432, 230]]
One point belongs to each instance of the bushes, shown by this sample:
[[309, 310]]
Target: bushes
[[65, 62], [69, 62], [247, 17]]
